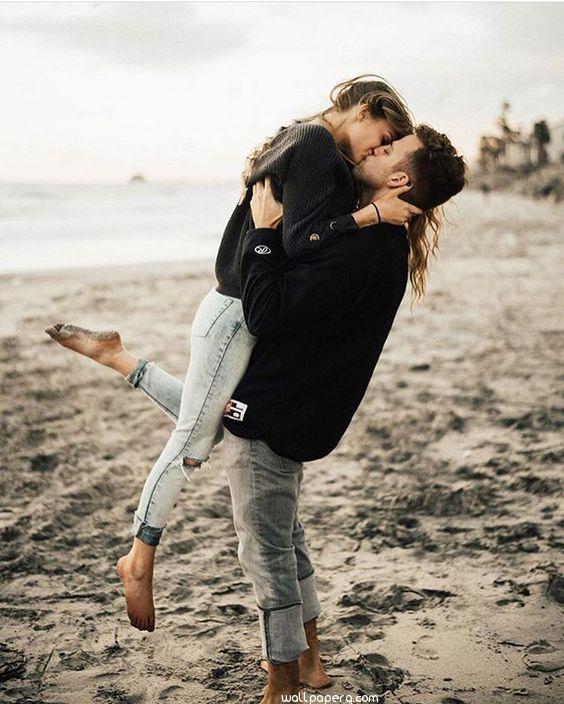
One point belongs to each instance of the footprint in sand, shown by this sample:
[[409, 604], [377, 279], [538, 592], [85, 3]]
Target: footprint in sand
[[378, 670], [422, 650], [542, 656], [12, 662], [77, 660], [555, 588]]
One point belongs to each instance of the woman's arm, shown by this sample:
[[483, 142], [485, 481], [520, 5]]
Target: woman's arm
[[309, 193], [391, 209]]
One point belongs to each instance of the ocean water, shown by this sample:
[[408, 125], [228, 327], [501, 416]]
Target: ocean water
[[45, 227]]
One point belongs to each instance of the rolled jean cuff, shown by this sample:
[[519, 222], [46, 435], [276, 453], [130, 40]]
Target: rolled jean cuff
[[311, 608], [134, 378], [146, 533], [282, 633]]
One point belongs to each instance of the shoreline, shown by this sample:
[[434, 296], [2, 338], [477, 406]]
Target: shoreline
[[112, 270]]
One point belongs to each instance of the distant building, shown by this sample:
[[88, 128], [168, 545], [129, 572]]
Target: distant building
[[514, 149], [137, 178], [555, 148], [510, 150]]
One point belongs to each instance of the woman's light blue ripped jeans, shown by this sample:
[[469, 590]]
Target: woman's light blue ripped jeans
[[220, 350], [264, 487]]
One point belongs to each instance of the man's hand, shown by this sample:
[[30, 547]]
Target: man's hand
[[394, 210], [266, 210]]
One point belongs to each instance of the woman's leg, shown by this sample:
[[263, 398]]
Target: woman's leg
[[163, 389], [220, 350]]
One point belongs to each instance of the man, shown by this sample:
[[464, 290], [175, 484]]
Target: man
[[322, 323]]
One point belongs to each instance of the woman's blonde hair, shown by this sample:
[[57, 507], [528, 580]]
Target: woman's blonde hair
[[423, 233], [437, 173], [382, 100]]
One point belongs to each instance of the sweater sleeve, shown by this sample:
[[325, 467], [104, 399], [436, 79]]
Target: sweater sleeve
[[284, 297], [308, 193]]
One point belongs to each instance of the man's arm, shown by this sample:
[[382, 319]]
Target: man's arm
[[285, 297]]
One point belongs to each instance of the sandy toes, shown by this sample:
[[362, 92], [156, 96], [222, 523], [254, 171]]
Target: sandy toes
[[138, 591], [102, 346]]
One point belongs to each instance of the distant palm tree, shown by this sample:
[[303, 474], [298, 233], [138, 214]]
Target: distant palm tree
[[541, 135]]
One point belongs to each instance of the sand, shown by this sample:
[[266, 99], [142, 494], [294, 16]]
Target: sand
[[435, 527]]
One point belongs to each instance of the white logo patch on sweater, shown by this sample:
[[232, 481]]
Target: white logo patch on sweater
[[235, 410], [262, 249]]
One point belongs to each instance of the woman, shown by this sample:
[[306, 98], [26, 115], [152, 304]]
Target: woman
[[310, 165]]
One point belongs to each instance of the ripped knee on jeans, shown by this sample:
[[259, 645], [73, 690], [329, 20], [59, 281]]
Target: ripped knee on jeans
[[188, 465], [188, 462]]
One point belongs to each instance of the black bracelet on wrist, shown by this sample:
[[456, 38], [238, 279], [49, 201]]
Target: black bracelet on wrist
[[377, 212]]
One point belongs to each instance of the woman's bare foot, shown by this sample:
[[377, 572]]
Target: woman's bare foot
[[137, 580], [104, 347]]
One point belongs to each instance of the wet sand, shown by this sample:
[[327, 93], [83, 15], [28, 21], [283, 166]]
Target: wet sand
[[435, 527]]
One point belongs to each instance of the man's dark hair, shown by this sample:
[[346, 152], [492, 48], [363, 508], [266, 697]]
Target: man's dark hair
[[437, 173], [435, 169]]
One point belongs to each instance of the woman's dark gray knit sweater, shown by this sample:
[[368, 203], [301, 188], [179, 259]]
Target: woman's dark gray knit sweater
[[315, 185]]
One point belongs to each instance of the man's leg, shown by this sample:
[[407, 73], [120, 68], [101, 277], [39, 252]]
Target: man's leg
[[310, 665], [264, 493]]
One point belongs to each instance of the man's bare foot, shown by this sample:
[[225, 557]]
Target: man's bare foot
[[312, 673], [104, 347], [311, 669], [138, 589], [282, 680]]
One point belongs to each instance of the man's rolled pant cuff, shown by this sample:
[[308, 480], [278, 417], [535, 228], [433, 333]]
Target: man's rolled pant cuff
[[282, 633], [134, 378], [311, 608], [146, 533]]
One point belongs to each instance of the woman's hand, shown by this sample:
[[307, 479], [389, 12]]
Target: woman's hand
[[394, 210], [266, 210]]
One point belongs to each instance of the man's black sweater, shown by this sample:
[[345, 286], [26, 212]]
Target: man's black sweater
[[312, 181], [322, 322]]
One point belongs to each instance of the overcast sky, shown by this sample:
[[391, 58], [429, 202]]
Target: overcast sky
[[93, 92]]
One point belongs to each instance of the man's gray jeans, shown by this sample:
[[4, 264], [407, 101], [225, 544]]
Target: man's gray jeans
[[272, 548]]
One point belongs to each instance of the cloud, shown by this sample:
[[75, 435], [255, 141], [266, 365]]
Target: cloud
[[185, 89], [149, 34]]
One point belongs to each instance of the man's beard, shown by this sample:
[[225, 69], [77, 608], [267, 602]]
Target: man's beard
[[365, 187], [362, 178], [363, 182], [358, 174]]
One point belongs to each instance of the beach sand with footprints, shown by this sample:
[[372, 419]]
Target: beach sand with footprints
[[435, 527]]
